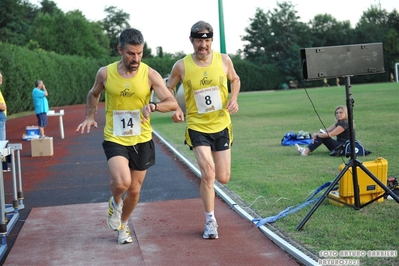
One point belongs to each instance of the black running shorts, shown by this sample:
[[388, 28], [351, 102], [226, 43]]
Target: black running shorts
[[140, 156], [219, 141]]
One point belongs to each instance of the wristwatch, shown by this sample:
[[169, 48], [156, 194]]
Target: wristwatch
[[156, 106]]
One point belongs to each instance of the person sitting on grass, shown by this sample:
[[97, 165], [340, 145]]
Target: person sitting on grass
[[340, 130]]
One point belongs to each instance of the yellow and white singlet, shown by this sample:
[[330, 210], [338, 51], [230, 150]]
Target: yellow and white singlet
[[206, 94], [124, 99]]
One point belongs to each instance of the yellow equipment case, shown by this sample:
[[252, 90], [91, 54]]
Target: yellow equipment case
[[368, 188]]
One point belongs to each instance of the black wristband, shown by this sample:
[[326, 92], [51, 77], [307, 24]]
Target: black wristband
[[155, 105]]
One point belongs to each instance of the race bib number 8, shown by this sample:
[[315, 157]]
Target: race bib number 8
[[208, 100], [126, 123]]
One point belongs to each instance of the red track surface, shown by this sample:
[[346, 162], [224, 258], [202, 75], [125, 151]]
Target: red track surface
[[63, 222]]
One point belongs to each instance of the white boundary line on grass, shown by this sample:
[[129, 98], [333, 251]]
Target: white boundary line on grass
[[284, 245]]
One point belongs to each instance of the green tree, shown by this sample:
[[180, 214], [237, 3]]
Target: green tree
[[391, 43], [68, 34], [49, 7], [160, 53], [377, 25], [16, 17], [373, 25], [259, 35], [327, 31], [393, 20], [115, 21], [147, 53], [275, 38]]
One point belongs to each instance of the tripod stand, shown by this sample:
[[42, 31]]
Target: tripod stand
[[352, 163]]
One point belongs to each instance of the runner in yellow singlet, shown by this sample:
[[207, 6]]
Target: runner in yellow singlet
[[204, 74], [128, 144]]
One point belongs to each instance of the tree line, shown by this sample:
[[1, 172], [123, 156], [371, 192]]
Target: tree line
[[276, 36], [273, 38]]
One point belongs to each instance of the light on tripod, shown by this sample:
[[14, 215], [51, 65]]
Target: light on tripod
[[345, 61]]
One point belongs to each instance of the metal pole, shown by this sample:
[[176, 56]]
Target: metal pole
[[221, 28], [3, 224], [352, 138]]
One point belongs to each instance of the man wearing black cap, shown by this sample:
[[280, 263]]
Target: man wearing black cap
[[204, 75]]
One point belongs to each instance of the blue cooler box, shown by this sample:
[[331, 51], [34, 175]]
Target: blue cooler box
[[32, 130]]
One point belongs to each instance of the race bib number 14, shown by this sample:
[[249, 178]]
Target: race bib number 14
[[126, 123], [208, 100]]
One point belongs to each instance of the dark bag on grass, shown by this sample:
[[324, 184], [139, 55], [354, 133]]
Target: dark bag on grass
[[345, 149], [359, 149]]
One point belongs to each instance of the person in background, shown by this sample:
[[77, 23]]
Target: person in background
[[40, 102], [326, 83], [204, 75], [3, 119], [340, 130], [128, 143]]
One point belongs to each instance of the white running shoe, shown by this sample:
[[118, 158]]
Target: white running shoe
[[211, 230], [114, 215], [124, 235], [301, 150]]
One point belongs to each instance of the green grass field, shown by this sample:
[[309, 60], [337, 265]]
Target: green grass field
[[270, 177]]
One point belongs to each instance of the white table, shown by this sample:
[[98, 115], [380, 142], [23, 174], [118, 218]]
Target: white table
[[60, 114]]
